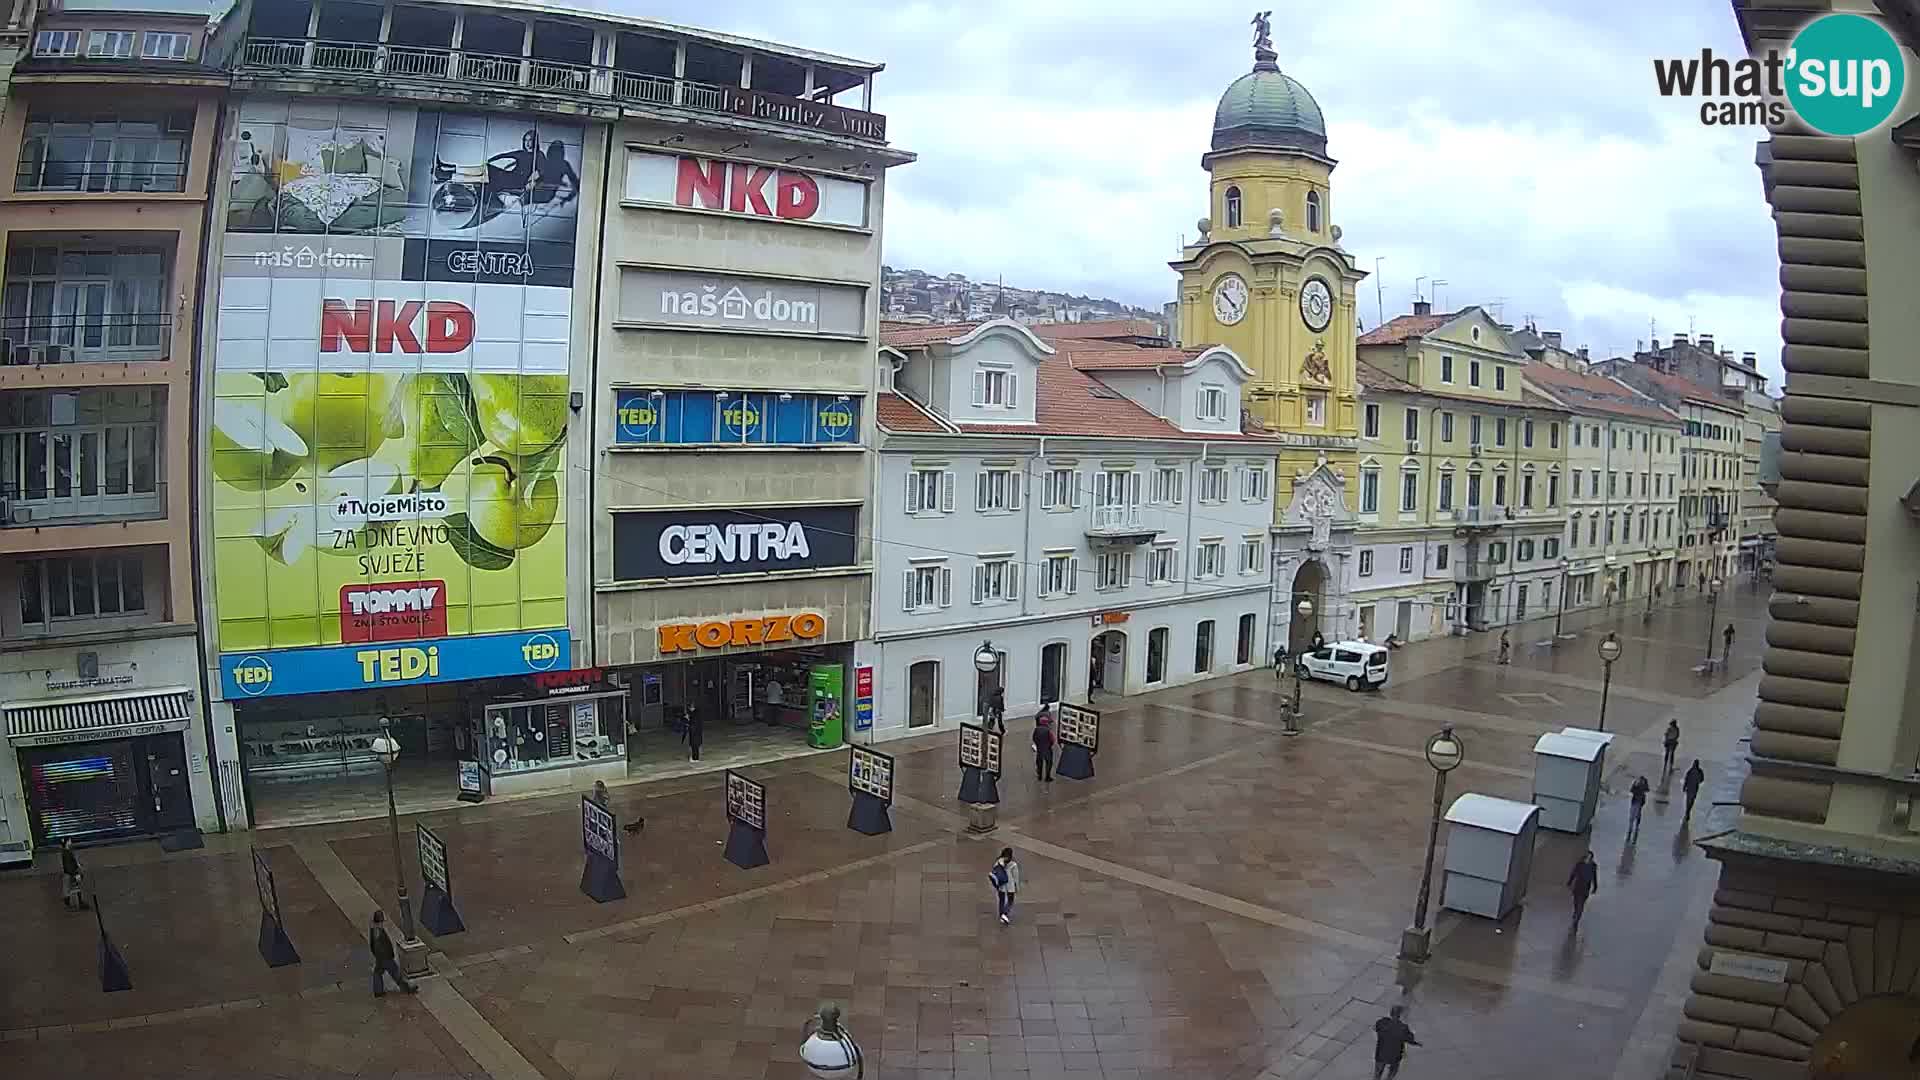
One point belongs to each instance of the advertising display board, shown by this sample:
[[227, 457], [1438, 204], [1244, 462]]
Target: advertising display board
[[600, 838], [870, 772], [437, 914], [1079, 741], [747, 822], [391, 394], [980, 749], [276, 948]]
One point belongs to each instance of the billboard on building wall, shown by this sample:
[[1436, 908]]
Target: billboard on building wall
[[390, 415]]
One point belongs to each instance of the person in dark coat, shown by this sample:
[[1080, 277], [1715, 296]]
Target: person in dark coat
[[1671, 744], [70, 890], [1582, 883], [1727, 634], [1318, 641], [381, 946], [1691, 784], [997, 709], [1506, 649], [1043, 748], [1637, 807], [696, 733], [1391, 1037]]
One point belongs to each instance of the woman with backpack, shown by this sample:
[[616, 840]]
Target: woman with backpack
[[1005, 875]]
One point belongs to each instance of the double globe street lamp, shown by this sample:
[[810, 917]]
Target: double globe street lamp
[[1445, 752], [1713, 615]]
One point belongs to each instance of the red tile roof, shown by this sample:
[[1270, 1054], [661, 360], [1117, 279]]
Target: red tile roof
[[1087, 357], [911, 335], [1374, 379], [1685, 387], [1401, 327], [1587, 392], [899, 414], [1098, 328]]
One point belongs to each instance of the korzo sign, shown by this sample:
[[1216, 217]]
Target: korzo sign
[[704, 543]]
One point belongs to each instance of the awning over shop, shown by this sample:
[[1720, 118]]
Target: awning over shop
[[85, 716]]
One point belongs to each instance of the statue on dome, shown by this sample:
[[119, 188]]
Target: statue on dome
[[1262, 31]]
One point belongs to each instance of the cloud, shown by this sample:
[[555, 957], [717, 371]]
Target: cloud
[[1520, 152]]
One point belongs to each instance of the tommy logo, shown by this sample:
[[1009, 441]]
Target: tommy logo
[[393, 611], [387, 326]]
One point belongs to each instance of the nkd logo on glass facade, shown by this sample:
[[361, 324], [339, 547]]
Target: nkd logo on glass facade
[[705, 302]]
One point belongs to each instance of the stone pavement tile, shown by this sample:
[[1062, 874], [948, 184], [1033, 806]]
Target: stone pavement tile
[[1128, 751], [189, 930], [1331, 832], [342, 1036], [1095, 974], [518, 880], [1485, 746]]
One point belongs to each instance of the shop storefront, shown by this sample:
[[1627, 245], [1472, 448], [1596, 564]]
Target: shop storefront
[[306, 720], [101, 743]]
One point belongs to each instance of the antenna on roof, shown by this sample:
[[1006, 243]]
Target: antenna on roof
[[1437, 282]]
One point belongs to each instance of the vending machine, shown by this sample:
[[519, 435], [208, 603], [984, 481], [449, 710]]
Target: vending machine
[[826, 700]]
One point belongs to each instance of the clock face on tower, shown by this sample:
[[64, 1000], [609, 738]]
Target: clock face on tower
[[1230, 299], [1316, 304]]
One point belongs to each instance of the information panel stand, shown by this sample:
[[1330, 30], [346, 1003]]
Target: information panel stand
[[979, 765], [747, 815], [1079, 741], [870, 779], [600, 836]]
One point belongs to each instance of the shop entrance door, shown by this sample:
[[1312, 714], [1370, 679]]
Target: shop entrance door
[[81, 791], [923, 694], [1053, 672], [163, 759]]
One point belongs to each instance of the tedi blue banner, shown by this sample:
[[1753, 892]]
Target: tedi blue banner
[[278, 672]]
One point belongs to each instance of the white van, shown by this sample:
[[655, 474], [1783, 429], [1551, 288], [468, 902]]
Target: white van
[[1358, 664]]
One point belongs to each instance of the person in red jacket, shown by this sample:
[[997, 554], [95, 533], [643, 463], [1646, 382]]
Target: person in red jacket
[[1043, 748]]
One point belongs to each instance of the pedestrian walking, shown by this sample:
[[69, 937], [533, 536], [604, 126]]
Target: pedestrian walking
[[1728, 635], [997, 709], [1506, 649], [696, 733], [1696, 776], [1005, 876], [1280, 662], [601, 797], [381, 946], [1391, 1037], [1582, 883], [1637, 807], [1043, 748], [1671, 744], [1318, 641], [70, 878]]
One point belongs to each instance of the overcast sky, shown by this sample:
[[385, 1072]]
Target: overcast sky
[[1522, 156]]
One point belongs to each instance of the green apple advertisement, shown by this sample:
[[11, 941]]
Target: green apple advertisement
[[391, 400]]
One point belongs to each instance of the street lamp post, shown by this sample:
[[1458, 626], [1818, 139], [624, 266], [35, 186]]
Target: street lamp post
[[985, 661], [1714, 585], [413, 951], [1305, 608], [829, 1051], [1609, 652], [1444, 753], [1560, 611]]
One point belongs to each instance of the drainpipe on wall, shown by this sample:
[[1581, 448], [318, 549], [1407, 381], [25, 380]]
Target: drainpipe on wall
[[1026, 532], [1186, 578]]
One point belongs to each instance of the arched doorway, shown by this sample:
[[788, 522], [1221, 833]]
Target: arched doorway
[[1873, 1037], [1309, 583], [1107, 663]]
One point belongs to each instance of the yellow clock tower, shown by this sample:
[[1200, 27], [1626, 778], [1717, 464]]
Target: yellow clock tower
[[1267, 276]]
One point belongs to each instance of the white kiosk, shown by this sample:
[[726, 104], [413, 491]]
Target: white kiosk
[[1489, 854], [1568, 766]]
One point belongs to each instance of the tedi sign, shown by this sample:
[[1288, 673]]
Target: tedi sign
[[698, 543], [751, 189], [1843, 75]]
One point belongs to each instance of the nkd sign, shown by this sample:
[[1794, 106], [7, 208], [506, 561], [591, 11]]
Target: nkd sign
[[389, 326], [703, 301], [746, 188]]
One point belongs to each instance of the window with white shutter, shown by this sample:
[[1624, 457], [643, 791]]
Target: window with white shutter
[[929, 491]]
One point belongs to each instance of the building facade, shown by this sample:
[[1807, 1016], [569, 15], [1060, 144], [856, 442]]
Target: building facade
[[106, 729], [1268, 278], [1623, 497], [490, 305], [1758, 534], [1806, 968], [1095, 513], [1712, 441], [1462, 480]]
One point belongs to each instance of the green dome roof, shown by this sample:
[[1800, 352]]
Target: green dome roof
[[1267, 107]]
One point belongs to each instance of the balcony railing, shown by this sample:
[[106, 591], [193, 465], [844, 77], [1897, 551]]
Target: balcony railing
[[130, 175], [68, 499], [78, 339], [1469, 570], [1117, 517], [556, 77]]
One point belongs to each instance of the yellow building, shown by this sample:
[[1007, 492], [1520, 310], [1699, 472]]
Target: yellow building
[[1267, 278], [1461, 492]]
